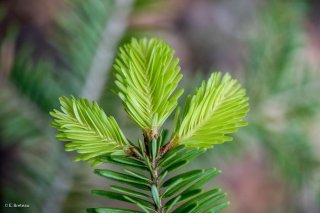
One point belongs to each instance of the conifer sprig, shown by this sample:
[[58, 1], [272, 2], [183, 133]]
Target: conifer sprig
[[87, 129], [217, 108], [147, 77]]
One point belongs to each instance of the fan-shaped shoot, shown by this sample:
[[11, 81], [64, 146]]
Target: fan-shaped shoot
[[147, 77]]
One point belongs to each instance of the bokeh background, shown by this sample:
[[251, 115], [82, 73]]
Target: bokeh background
[[67, 47]]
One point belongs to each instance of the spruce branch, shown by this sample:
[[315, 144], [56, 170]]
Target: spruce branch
[[147, 77], [216, 109], [88, 130]]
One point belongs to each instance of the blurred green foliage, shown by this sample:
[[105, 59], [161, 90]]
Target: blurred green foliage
[[281, 86]]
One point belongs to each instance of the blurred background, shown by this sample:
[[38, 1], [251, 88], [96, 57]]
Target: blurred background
[[63, 47]]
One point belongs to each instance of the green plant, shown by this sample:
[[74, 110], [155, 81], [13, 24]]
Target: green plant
[[147, 76]]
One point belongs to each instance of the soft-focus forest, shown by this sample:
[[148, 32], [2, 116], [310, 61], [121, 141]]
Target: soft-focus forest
[[67, 47]]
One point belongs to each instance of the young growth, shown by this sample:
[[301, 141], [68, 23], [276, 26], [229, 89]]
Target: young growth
[[147, 77]]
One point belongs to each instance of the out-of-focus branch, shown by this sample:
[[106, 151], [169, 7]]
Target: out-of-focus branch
[[102, 60], [27, 109]]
